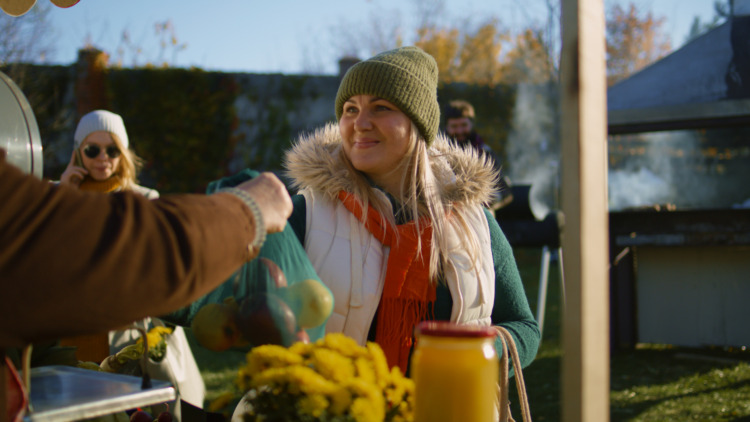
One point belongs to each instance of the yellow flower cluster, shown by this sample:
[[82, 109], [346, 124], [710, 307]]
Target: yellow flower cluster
[[157, 342], [156, 335], [331, 379]]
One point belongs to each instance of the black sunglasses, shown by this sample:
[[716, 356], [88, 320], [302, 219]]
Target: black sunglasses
[[92, 151]]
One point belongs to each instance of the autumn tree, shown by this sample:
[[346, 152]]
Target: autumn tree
[[470, 57], [634, 40], [168, 43], [529, 59]]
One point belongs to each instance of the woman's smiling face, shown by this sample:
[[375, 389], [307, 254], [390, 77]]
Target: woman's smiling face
[[375, 135]]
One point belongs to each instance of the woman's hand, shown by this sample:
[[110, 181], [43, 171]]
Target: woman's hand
[[272, 198], [73, 174]]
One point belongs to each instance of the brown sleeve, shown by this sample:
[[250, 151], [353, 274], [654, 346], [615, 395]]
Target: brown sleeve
[[74, 263]]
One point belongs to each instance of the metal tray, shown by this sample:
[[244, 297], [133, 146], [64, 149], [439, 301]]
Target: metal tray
[[64, 393]]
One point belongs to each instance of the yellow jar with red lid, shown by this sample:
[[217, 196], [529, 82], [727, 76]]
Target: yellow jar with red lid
[[455, 371]]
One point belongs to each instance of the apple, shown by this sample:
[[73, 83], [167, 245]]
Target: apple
[[266, 319], [310, 300], [215, 326], [278, 277], [141, 416], [164, 417]]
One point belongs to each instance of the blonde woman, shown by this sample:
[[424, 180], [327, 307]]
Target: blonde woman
[[390, 214], [102, 160]]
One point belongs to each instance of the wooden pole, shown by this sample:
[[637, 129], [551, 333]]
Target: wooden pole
[[585, 372]]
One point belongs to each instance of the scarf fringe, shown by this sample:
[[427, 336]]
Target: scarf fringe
[[397, 318]]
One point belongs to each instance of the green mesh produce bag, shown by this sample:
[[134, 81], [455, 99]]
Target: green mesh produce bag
[[282, 248]]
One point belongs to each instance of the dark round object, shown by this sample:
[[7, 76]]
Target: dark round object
[[266, 319], [141, 416], [165, 417]]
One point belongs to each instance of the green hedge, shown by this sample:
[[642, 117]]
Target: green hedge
[[180, 121]]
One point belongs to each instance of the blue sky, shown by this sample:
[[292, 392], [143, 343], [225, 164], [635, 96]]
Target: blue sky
[[289, 36]]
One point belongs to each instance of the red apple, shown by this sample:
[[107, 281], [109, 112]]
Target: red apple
[[266, 319]]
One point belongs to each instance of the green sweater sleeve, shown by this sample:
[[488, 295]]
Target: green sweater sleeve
[[511, 309]]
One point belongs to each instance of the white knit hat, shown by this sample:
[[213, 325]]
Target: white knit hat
[[100, 120]]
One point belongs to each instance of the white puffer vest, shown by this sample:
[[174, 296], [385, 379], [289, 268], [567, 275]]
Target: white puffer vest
[[352, 263]]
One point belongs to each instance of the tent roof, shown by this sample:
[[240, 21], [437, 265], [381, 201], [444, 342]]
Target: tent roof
[[699, 85]]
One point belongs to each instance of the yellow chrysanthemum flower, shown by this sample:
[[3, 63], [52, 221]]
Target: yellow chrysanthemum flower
[[295, 379], [331, 365], [365, 369], [302, 349], [313, 404], [330, 378], [394, 394], [380, 363], [341, 399], [342, 344], [364, 411], [157, 346], [366, 390], [399, 381], [270, 356]]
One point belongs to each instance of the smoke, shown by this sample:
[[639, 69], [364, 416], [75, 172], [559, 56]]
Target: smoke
[[657, 168], [687, 169], [533, 146], [642, 187]]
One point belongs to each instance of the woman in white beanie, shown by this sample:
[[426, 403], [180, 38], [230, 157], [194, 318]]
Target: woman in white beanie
[[102, 161]]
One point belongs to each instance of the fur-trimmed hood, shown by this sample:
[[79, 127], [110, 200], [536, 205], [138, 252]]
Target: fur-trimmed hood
[[466, 177]]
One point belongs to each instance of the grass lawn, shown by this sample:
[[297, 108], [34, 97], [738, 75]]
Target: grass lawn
[[649, 383]]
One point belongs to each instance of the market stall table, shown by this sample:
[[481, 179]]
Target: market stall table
[[63, 393]]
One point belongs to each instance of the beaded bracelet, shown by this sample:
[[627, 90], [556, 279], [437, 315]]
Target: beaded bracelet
[[260, 226]]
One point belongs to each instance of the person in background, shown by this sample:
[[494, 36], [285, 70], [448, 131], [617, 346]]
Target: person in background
[[459, 126], [102, 160], [391, 214]]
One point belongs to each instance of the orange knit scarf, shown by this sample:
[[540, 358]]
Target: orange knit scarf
[[408, 296], [104, 186]]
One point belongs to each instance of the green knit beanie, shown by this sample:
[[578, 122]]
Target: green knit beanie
[[405, 76]]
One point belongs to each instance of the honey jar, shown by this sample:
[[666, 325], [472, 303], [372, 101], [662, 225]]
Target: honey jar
[[455, 371]]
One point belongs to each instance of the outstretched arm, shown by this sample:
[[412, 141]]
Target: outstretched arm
[[76, 263]]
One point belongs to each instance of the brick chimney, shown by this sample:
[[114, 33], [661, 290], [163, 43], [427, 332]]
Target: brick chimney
[[345, 63], [89, 88]]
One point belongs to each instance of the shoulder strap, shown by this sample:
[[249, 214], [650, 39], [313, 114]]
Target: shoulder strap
[[509, 349]]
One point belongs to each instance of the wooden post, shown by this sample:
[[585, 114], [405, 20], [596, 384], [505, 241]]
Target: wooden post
[[585, 372]]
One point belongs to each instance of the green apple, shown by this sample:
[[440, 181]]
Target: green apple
[[310, 300]]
